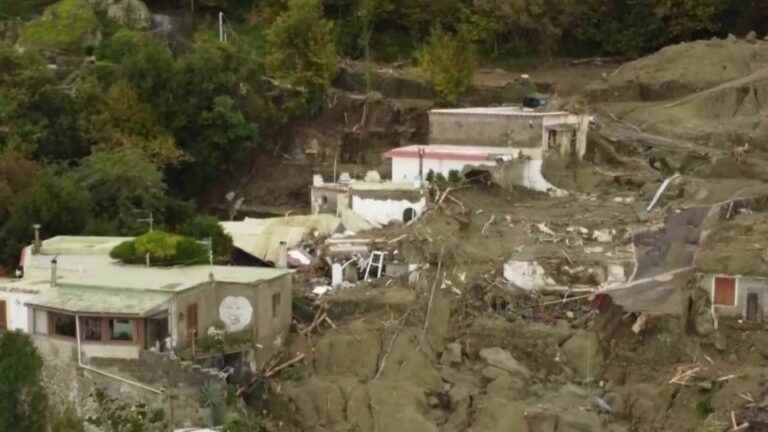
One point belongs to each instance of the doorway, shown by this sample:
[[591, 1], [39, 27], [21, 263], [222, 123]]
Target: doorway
[[753, 307], [157, 333], [191, 323]]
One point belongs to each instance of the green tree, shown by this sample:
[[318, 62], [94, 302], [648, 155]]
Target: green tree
[[57, 202], [203, 227], [121, 183], [17, 174], [22, 397], [449, 62], [123, 120], [300, 47]]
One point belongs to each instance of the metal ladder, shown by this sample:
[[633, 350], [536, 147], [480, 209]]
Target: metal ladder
[[375, 260]]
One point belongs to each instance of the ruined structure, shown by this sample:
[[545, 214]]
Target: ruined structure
[[509, 142], [377, 203]]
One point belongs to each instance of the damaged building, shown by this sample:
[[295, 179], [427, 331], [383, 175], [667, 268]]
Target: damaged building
[[376, 202]]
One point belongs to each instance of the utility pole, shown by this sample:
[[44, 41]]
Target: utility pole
[[221, 27]]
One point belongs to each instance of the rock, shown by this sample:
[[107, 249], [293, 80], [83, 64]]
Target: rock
[[731, 37], [751, 36], [507, 387], [452, 354], [760, 342], [493, 373], [502, 359], [131, 13], [721, 343], [583, 355], [703, 323]]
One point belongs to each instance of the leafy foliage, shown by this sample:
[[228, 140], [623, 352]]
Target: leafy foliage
[[66, 25], [449, 62], [163, 248], [121, 183], [301, 51], [114, 415], [205, 227], [22, 397], [56, 202]]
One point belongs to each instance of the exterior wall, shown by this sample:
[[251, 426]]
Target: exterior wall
[[267, 329], [17, 314], [324, 200], [68, 385], [90, 349], [744, 287], [486, 129], [100, 350], [581, 125], [385, 211], [525, 173], [407, 169]]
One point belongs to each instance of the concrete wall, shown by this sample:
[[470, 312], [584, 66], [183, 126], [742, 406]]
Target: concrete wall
[[268, 328], [324, 200], [580, 124], [485, 129], [16, 312], [67, 385], [744, 287], [526, 173], [102, 350], [385, 211]]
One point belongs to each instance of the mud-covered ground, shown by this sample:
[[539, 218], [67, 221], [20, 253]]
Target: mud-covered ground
[[453, 346]]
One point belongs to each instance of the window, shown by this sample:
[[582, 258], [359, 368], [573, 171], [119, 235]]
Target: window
[[92, 329], [275, 305], [725, 291], [121, 330], [3, 316], [409, 214], [63, 325]]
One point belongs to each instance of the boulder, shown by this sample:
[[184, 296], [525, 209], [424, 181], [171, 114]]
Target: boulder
[[502, 359], [751, 36], [583, 355], [704, 323], [131, 13], [452, 354], [721, 342]]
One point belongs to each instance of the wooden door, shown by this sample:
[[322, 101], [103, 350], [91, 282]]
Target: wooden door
[[725, 291], [753, 307], [3, 315], [191, 322]]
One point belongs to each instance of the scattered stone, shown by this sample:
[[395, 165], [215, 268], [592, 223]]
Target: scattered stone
[[502, 359], [731, 37], [583, 354], [751, 37], [721, 342], [493, 373], [452, 354]]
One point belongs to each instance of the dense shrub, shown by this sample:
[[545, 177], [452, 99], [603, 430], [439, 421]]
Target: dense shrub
[[449, 62], [164, 249]]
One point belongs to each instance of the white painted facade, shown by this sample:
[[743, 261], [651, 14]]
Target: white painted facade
[[383, 212], [17, 314], [405, 167]]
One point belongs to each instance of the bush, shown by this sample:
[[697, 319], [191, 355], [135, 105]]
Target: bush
[[163, 248], [449, 62], [454, 176], [204, 227]]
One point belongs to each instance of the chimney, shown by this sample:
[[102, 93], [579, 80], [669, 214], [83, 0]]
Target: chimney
[[38, 244], [282, 255], [54, 265]]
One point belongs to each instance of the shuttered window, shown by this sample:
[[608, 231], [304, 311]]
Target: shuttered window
[[725, 291]]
